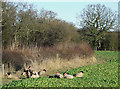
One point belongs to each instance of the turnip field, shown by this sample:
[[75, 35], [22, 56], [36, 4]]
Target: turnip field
[[38, 42], [104, 74]]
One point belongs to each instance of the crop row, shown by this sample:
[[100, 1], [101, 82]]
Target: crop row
[[99, 75]]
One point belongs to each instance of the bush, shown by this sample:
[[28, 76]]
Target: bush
[[56, 32], [67, 51], [64, 53], [14, 58]]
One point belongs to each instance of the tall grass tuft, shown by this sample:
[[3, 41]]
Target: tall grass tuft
[[62, 56]]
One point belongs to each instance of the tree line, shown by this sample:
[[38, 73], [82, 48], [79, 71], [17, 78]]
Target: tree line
[[24, 26]]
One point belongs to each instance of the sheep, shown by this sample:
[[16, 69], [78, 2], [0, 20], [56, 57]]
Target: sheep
[[68, 76], [35, 75], [26, 73], [11, 76], [80, 74], [42, 72], [58, 75]]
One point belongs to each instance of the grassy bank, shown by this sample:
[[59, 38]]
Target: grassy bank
[[97, 75], [104, 56], [62, 56], [100, 75]]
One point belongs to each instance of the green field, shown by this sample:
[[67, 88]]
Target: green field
[[98, 75], [106, 55]]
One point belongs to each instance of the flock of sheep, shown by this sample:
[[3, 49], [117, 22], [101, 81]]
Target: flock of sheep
[[58, 75], [28, 73]]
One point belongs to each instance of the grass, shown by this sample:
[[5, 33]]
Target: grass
[[6, 81], [67, 55], [104, 56], [98, 75]]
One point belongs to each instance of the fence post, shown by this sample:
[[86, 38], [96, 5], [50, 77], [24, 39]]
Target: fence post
[[25, 65], [3, 69], [1, 74], [10, 67], [57, 56]]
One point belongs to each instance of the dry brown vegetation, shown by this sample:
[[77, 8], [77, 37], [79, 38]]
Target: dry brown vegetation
[[59, 57]]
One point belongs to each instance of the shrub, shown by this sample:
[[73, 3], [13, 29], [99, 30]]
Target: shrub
[[67, 51], [62, 55]]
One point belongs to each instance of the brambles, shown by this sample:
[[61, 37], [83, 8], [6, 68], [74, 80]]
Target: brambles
[[67, 51], [48, 57]]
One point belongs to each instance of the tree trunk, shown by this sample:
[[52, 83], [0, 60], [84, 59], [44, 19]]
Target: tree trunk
[[95, 44]]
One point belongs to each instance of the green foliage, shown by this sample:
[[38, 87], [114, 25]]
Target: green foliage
[[108, 41], [113, 39], [99, 75], [8, 22], [55, 32], [106, 55], [24, 26], [97, 19]]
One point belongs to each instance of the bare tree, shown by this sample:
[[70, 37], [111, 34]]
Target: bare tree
[[97, 19], [47, 16]]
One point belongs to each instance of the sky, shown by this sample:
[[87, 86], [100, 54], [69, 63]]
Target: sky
[[68, 10]]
